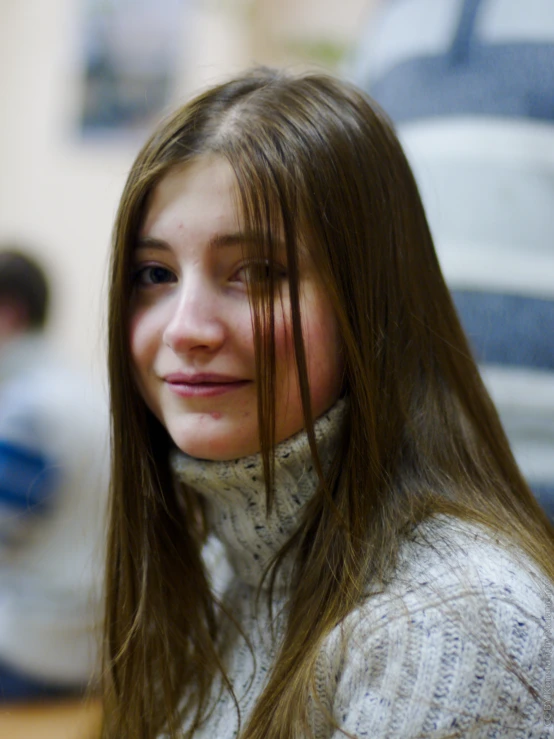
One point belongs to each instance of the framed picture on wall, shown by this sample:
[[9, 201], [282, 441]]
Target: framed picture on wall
[[131, 50]]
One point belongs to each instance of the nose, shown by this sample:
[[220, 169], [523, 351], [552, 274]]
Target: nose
[[195, 323]]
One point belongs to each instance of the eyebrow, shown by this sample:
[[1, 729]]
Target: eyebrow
[[216, 242], [149, 242]]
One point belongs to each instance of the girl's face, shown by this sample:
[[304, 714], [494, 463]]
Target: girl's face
[[192, 339]]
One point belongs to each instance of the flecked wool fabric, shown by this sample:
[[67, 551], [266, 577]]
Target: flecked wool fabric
[[459, 643]]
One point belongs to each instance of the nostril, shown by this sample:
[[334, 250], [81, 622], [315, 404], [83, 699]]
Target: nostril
[[187, 333]]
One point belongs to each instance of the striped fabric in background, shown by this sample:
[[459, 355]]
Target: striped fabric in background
[[470, 85]]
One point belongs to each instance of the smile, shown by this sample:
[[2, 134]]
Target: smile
[[202, 385]]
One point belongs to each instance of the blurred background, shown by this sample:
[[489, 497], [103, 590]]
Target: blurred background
[[82, 83], [470, 87], [66, 147]]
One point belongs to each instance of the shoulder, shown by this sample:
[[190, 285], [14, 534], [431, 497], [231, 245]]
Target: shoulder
[[450, 565], [457, 641], [453, 558]]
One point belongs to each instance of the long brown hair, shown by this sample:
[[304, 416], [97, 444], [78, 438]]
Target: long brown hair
[[316, 159]]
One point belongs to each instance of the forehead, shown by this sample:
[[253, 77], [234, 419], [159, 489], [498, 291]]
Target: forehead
[[201, 194], [199, 203]]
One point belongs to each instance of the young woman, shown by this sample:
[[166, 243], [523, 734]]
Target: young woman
[[317, 527]]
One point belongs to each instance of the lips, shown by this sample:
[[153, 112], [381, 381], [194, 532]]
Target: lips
[[202, 385]]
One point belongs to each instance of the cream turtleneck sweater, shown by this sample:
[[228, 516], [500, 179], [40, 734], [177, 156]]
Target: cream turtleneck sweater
[[426, 657]]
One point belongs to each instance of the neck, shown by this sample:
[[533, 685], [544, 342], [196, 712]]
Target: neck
[[236, 496]]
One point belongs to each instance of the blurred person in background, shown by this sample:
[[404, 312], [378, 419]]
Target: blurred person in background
[[53, 482], [470, 86]]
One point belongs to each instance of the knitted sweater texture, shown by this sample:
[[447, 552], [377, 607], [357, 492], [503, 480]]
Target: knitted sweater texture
[[431, 654]]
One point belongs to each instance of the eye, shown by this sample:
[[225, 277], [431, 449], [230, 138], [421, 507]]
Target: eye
[[153, 275], [256, 272]]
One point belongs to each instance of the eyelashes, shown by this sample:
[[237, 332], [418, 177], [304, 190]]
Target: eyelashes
[[153, 274], [253, 272], [261, 271]]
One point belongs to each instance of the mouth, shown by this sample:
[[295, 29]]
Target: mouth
[[202, 385]]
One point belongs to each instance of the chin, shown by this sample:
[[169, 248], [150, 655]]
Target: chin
[[215, 447], [215, 452]]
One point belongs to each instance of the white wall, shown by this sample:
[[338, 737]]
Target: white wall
[[57, 194]]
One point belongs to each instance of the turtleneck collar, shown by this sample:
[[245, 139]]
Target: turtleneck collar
[[236, 500]]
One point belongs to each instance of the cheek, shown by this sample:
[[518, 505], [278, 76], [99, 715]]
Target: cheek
[[325, 361], [144, 333], [324, 356], [241, 330], [324, 350], [287, 375]]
